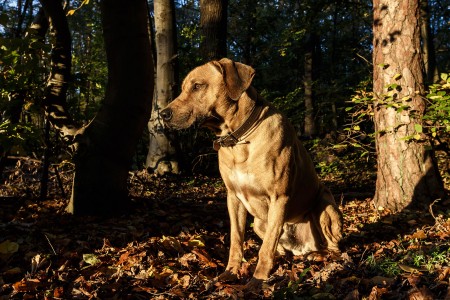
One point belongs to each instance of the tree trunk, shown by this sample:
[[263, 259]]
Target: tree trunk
[[54, 102], [107, 144], [406, 172], [213, 26], [161, 157], [310, 126], [429, 57], [21, 11]]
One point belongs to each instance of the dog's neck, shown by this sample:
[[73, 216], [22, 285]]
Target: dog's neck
[[232, 116], [240, 112], [240, 120]]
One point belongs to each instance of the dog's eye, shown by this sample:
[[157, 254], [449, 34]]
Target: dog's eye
[[196, 86]]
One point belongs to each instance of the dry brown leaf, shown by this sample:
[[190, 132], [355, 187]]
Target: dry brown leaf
[[187, 259], [123, 258], [444, 273], [413, 280], [377, 293], [169, 242], [419, 234], [185, 281], [26, 285], [58, 292], [204, 257]]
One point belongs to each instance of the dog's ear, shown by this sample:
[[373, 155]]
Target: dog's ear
[[237, 76]]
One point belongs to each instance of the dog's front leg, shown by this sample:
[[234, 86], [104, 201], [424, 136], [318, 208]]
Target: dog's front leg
[[238, 215], [266, 256]]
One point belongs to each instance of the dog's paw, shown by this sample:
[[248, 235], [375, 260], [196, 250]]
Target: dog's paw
[[227, 276]]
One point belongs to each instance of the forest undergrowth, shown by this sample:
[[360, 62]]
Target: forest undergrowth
[[175, 240]]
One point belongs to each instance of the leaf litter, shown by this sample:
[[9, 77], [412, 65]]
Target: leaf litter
[[174, 242]]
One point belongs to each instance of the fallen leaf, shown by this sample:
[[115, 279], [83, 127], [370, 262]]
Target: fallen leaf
[[123, 258], [409, 269], [26, 285], [413, 279], [187, 259], [91, 259], [58, 292], [185, 281], [12, 272], [36, 262], [8, 247], [377, 293], [196, 242], [169, 242], [444, 273], [420, 234], [204, 257]]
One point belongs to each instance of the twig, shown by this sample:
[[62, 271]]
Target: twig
[[438, 218], [60, 184], [50, 244]]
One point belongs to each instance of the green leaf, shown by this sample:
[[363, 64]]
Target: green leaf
[[196, 243], [444, 76], [8, 247], [339, 146], [397, 76], [418, 128]]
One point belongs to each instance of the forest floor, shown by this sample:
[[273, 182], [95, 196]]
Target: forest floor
[[175, 241]]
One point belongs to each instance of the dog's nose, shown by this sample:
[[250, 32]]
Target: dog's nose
[[166, 114]]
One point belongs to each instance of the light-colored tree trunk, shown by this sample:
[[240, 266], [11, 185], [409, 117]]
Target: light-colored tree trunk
[[406, 170], [213, 26], [106, 146], [54, 102], [161, 157]]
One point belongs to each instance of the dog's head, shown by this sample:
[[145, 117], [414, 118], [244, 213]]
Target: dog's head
[[207, 93]]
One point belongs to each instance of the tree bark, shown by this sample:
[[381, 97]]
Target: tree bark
[[406, 172], [54, 102], [107, 144], [213, 26], [429, 55], [161, 157], [310, 126]]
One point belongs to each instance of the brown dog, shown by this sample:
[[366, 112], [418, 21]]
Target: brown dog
[[265, 168]]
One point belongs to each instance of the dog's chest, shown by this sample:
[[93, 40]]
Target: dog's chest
[[244, 185]]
